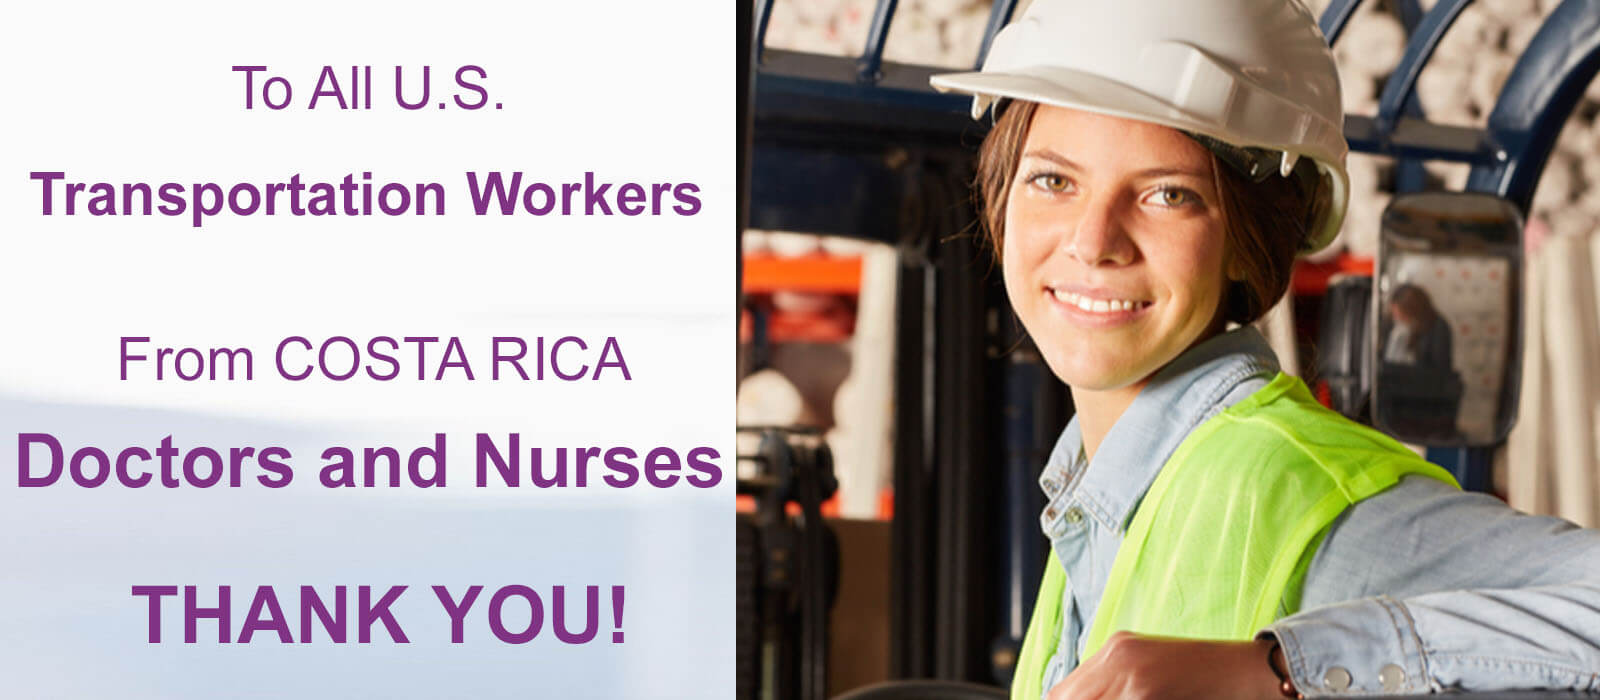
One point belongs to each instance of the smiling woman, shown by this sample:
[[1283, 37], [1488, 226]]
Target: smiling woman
[[1114, 248], [1153, 171], [1213, 246]]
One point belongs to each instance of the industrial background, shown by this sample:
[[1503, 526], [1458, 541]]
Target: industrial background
[[824, 337]]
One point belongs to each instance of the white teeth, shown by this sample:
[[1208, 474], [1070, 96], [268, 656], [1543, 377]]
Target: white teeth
[[1098, 306]]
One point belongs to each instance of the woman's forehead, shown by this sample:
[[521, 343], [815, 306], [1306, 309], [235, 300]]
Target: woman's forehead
[[1092, 141]]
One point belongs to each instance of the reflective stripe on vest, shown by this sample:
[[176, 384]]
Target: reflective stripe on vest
[[1213, 545]]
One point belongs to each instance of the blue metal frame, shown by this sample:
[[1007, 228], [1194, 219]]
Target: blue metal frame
[[1398, 89], [763, 16], [1544, 86], [1473, 467], [999, 17], [1542, 90], [1410, 13], [1398, 98], [868, 67], [1335, 16]]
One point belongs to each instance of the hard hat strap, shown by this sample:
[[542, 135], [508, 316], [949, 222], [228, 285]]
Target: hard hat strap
[[1255, 164]]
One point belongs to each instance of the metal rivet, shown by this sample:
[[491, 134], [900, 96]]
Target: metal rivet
[[1052, 486], [1050, 513], [1392, 677], [1075, 515], [1336, 679]]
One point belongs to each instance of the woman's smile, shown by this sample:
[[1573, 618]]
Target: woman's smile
[[1097, 308]]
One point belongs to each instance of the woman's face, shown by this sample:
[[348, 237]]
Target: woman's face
[[1398, 313], [1113, 249]]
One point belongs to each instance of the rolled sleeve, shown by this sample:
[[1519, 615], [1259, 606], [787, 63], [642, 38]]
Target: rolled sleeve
[[1358, 648], [1495, 639], [1454, 591]]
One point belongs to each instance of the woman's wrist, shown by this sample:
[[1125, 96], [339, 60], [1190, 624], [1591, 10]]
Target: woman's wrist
[[1280, 670]]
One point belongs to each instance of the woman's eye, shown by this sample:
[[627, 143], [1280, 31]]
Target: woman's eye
[[1053, 183], [1174, 197]]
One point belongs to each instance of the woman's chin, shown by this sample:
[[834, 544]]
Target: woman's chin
[[1085, 374]]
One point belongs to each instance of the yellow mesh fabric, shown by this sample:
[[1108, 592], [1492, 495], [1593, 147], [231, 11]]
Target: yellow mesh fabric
[[1044, 628]]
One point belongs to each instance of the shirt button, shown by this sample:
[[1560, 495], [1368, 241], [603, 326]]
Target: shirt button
[[1336, 679], [1052, 525], [1051, 486], [1075, 515], [1392, 677]]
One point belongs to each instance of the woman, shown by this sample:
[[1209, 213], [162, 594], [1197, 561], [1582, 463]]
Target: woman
[[1420, 335], [1153, 170], [1422, 390]]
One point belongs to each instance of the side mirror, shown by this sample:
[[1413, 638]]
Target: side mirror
[[1446, 324]]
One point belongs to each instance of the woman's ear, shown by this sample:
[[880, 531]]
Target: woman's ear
[[1234, 270]]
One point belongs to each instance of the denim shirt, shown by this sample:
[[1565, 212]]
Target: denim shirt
[[1419, 588]]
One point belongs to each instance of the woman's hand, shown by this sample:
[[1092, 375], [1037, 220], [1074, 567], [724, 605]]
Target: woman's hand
[[1133, 666]]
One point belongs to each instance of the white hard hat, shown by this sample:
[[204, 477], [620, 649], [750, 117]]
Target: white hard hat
[[1250, 73]]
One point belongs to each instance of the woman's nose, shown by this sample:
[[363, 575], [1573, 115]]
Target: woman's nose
[[1099, 237]]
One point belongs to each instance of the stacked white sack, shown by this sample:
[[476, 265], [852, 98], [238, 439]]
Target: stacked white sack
[[767, 397]]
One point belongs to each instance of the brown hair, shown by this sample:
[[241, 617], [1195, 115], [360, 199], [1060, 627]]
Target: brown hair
[[1417, 306], [1266, 223]]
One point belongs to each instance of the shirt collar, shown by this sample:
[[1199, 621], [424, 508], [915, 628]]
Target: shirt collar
[[1181, 396]]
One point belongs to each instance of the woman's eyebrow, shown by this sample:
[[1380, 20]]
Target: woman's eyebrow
[[1065, 162], [1052, 156], [1164, 172]]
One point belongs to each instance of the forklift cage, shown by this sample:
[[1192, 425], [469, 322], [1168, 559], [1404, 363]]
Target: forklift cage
[[861, 147]]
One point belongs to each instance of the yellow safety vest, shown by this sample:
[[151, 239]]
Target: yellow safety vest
[[1215, 543]]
